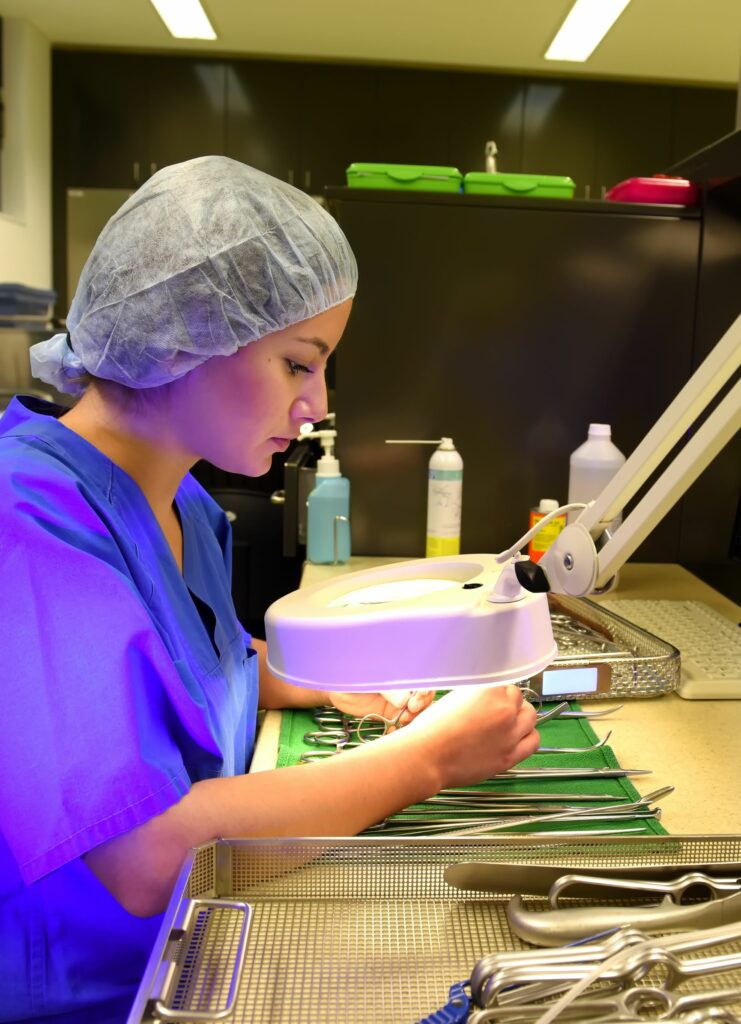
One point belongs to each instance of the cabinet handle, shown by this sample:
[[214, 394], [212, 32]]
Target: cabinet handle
[[290, 175], [135, 172], [153, 168], [307, 180]]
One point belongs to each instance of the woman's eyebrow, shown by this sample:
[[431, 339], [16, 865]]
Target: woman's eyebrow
[[317, 342]]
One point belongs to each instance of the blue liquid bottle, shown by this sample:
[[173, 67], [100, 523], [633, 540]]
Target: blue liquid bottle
[[328, 509]]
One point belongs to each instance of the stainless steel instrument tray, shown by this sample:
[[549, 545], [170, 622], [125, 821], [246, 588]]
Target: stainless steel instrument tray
[[363, 929], [641, 664]]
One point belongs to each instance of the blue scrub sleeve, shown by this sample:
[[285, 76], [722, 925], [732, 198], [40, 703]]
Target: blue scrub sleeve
[[90, 689]]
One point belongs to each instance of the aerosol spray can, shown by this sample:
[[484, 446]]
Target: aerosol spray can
[[444, 498]]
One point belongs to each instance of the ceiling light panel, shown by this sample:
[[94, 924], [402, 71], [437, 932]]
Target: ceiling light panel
[[586, 25], [184, 19]]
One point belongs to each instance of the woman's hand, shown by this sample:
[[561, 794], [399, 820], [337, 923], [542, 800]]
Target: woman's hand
[[388, 704], [475, 732]]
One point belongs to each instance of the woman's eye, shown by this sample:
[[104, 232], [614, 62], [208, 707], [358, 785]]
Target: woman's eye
[[294, 368]]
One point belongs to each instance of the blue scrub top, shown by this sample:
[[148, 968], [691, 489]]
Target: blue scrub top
[[123, 682]]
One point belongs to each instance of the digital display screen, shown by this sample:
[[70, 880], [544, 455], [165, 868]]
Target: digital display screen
[[569, 680]]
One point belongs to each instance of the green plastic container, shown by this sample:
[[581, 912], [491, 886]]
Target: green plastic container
[[535, 186], [409, 177]]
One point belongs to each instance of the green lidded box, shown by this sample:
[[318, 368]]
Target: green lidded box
[[535, 186], [410, 177]]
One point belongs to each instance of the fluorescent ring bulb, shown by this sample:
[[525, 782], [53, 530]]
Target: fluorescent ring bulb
[[586, 24], [184, 19]]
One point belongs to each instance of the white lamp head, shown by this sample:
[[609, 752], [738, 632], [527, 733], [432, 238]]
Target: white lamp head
[[431, 623]]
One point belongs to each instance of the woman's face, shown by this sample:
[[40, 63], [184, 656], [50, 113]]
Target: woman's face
[[238, 411]]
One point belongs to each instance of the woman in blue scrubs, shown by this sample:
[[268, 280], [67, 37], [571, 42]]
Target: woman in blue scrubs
[[201, 328]]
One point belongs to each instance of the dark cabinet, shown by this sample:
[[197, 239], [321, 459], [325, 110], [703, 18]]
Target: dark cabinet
[[415, 113], [185, 110], [487, 107], [559, 130], [301, 123], [340, 123], [99, 132], [633, 133], [700, 117], [118, 117], [263, 108]]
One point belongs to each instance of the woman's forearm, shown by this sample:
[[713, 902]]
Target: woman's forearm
[[336, 797], [459, 740], [275, 693]]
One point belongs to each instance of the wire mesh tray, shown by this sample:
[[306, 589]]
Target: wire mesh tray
[[641, 665], [329, 931]]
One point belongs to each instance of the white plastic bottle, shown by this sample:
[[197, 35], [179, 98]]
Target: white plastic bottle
[[592, 466], [444, 500]]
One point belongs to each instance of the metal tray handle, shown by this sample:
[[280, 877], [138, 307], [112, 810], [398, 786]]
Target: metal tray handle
[[165, 1012]]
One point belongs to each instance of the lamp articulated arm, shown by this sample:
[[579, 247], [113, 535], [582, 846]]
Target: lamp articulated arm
[[573, 565]]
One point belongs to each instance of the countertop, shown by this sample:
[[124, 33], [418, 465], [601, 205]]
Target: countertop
[[693, 745]]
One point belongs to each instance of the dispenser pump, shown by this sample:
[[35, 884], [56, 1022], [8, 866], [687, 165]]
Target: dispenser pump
[[328, 464]]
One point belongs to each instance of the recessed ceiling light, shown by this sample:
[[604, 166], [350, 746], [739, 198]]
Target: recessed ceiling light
[[585, 26], [185, 19]]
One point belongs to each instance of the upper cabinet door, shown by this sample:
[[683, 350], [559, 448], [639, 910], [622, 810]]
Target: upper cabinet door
[[487, 108], [263, 116], [98, 119], [559, 130], [415, 113], [339, 123], [184, 110], [633, 133], [701, 116]]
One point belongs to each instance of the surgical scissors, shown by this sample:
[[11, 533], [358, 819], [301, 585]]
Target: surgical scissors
[[360, 726]]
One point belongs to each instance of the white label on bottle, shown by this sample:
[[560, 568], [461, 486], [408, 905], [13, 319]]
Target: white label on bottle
[[444, 504]]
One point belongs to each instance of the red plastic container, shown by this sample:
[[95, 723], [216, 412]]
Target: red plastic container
[[658, 189]]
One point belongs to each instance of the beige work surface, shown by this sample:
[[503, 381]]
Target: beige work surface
[[693, 745]]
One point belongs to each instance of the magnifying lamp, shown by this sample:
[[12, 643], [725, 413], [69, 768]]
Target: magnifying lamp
[[474, 619]]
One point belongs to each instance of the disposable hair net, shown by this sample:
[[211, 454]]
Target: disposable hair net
[[204, 258]]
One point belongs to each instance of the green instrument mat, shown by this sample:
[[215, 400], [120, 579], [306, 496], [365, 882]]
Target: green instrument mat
[[559, 732]]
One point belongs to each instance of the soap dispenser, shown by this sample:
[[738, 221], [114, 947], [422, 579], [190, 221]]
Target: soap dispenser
[[328, 507]]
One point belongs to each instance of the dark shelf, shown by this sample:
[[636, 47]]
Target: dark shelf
[[601, 206], [715, 164]]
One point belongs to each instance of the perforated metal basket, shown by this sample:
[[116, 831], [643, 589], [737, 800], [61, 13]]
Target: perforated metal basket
[[333, 931], [641, 665]]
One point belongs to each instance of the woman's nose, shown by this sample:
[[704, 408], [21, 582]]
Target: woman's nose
[[312, 406]]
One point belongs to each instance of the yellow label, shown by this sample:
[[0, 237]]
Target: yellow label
[[543, 540], [437, 546]]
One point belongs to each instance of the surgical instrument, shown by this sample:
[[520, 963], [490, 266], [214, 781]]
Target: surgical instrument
[[360, 725], [630, 809], [694, 883], [465, 794], [569, 773], [591, 714], [574, 750], [555, 927], [629, 1005], [555, 712], [622, 958], [538, 879]]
